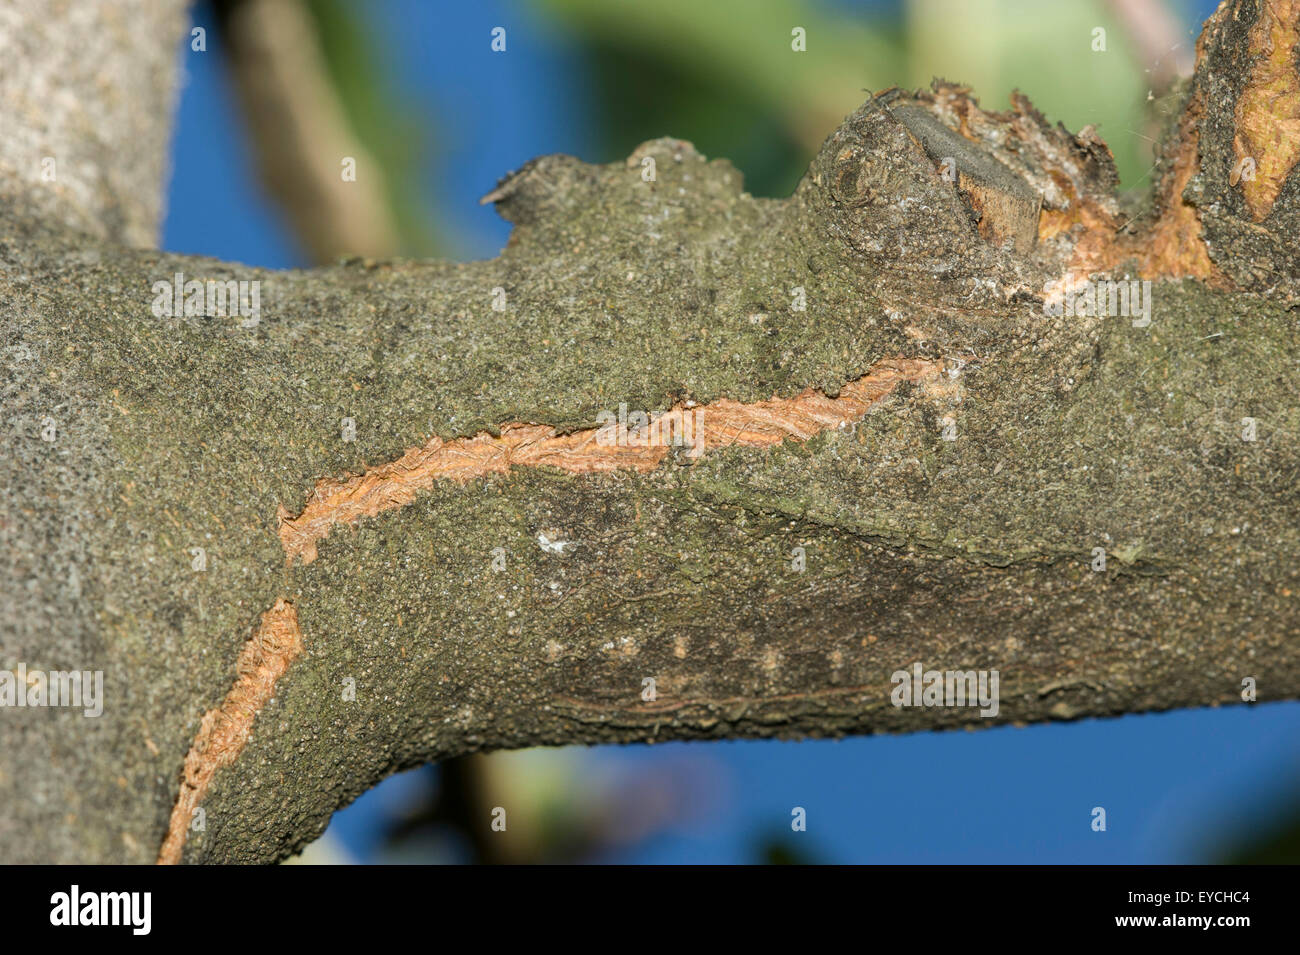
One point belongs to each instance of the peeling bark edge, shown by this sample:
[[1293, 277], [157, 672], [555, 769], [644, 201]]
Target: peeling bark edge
[[720, 424], [266, 656], [225, 731]]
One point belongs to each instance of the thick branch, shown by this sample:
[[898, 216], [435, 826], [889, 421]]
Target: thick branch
[[86, 96], [911, 462]]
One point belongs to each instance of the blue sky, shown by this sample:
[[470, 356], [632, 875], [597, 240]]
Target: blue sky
[[1174, 785]]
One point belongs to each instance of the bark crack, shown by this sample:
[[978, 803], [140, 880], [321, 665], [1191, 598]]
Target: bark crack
[[225, 730], [718, 424]]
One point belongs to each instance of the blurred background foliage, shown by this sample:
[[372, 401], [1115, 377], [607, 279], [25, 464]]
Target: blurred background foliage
[[720, 74], [438, 116]]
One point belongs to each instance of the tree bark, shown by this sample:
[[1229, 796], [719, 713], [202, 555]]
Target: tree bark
[[416, 542]]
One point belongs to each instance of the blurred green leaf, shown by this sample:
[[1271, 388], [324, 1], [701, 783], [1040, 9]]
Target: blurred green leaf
[[1046, 51], [724, 75]]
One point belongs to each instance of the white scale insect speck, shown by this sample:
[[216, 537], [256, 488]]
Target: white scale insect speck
[[552, 546]]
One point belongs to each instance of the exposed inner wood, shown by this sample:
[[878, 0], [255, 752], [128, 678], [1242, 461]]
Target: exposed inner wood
[[225, 730], [266, 656], [719, 424], [1006, 206], [1175, 246], [1268, 109]]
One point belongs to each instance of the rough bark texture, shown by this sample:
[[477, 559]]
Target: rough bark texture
[[1067, 434]]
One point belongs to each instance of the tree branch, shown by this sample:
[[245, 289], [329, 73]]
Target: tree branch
[[907, 457], [86, 92]]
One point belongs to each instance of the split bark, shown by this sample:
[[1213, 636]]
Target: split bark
[[1100, 506]]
